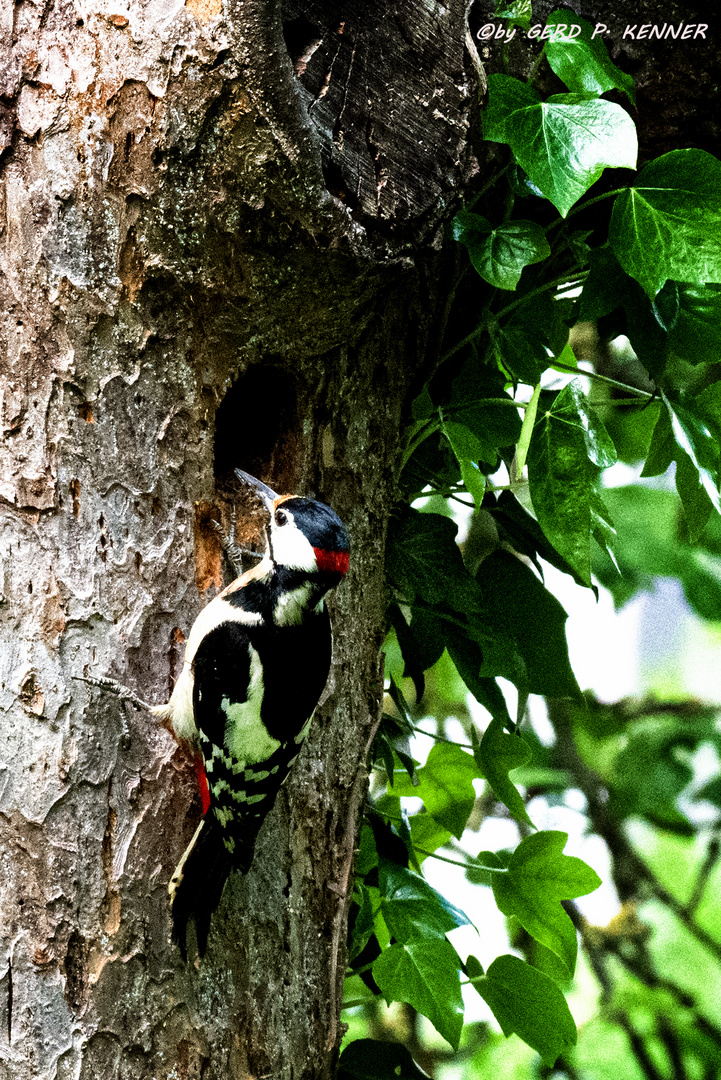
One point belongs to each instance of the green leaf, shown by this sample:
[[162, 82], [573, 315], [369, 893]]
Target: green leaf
[[522, 531], [696, 334], [517, 601], [480, 403], [368, 900], [430, 462], [500, 254], [468, 659], [446, 786], [425, 974], [693, 435], [421, 643], [413, 909], [538, 878], [609, 288], [522, 342], [369, 1059], [427, 834], [367, 856], [649, 773], [567, 443], [528, 1003], [604, 289], [518, 13], [582, 61], [663, 450], [468, 450], [496, 756], [564, 143], [668, 224], [423, 561]]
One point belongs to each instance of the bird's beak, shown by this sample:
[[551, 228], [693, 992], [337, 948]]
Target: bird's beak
[[264, 493]]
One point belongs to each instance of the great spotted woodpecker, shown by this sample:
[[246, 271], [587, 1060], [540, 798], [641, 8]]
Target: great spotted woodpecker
[[256, 662]]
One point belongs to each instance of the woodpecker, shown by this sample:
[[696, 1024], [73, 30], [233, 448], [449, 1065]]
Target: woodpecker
[[256, 663]]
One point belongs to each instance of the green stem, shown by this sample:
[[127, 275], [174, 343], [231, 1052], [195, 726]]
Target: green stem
[[360, 970], [601, 378], [488, 401], [358, 1001], [473, 336], [584, 206], [429, 428], [441, 738], [489, 184], [519, 461], [571, 280], [458, 862], [441, 858]]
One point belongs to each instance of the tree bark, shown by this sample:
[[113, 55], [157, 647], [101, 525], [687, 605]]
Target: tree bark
[[220, 247]]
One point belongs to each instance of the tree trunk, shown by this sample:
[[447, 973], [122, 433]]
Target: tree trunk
[[220, 247]]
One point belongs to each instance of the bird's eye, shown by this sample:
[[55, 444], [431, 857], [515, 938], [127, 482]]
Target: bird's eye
[[281, 517]]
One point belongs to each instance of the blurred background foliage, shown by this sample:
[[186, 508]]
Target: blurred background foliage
[[636, 783]]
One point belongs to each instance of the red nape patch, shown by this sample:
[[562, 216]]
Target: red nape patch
[[332, 562], [203, 785]]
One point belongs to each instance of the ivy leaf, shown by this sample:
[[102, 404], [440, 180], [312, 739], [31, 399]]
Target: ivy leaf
[[427, 835], [367, 856], [602, 528], [564, 143], [604, 289], [524, 534], [518, 13], [582, 62], [538, 878], [424, 561], [522, 342], [421, 643], [668, 224], [413, 909], [468, 659], [370, 1059], [519, 604], [696, 334], [609, 288], [528, 1003], [496, 756], [368, 900], [664, 449], [692, 433], [446, 786], [568, 443], [480, 403], [468, 450], [500, 254], [425, 974]]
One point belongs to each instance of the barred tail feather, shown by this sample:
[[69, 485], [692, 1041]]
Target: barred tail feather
[[197, 884]]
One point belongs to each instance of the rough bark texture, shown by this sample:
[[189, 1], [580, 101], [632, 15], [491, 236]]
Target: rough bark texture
[[218, 248]]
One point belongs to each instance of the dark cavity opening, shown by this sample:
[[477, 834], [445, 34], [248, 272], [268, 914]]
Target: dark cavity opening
[[300, 37], [256, 428]]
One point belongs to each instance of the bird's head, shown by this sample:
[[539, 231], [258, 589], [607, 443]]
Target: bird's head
[[303, 534]]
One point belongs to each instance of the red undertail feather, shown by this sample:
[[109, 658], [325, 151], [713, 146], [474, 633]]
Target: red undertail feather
[[202, 784]]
